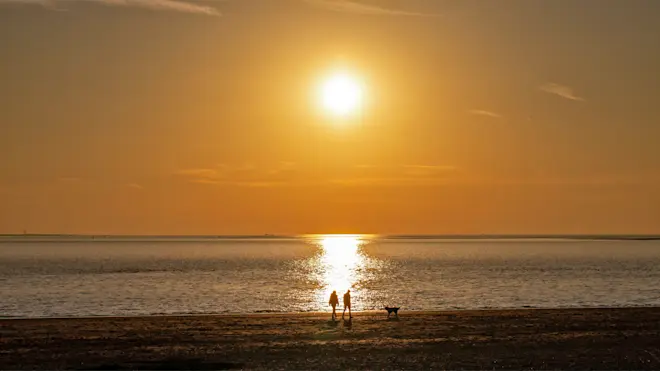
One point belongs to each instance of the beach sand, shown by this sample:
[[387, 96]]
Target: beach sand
[[497, 339]]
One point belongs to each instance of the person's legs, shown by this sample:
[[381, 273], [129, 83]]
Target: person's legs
[[349, 312], [334, 311], [344, 312]]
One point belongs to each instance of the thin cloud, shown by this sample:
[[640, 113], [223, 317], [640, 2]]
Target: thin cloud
[[350, 6], [391, 181], [401, 175], [284, 168], [200, 175], [244, 176], [286, 174], [134, 186], [46, 3], [478, 112], [561, 91], [164, 5]]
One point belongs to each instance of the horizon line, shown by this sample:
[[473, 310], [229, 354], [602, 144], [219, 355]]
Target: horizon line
[[592, 236]]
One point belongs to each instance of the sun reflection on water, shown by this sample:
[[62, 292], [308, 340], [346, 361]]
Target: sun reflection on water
[[340, 266]]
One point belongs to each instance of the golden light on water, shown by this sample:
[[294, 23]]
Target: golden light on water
[[340, 263]]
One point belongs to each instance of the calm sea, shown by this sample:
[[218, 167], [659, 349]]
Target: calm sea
[[65, 276]]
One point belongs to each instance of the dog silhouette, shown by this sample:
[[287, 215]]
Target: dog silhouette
[[392, 310]]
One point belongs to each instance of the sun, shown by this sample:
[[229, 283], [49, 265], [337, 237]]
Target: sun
[[341, 94]]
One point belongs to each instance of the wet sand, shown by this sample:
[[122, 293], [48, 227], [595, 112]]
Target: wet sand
[[498, 339]]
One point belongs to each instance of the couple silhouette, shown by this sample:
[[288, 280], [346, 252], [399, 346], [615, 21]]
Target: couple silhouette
[[334, 301]]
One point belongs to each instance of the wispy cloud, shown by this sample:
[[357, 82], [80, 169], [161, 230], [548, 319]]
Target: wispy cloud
[[246, 175], [199, 173], [351, 6], [134, 186], [195, 6], [478, 112], [288, 174], [402, 175], [168, 5], [560, 90]]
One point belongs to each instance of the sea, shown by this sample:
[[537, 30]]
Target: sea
[[82, 276]]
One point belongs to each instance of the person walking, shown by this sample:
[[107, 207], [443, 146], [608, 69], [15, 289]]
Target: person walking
[[334, 301], [347, 304]]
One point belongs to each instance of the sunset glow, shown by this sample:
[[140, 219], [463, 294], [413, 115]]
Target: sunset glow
[[329, 116]]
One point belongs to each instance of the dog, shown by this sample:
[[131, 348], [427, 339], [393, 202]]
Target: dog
[[392, 310]]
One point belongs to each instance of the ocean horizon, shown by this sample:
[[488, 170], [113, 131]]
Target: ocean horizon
[[101, 236], [187, 275]]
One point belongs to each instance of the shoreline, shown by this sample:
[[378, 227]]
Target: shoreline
[[573, 338], [363, 313]]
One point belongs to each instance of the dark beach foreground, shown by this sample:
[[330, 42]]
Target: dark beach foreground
[[497, 339]]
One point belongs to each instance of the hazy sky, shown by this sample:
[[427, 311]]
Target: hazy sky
[[177, 117]]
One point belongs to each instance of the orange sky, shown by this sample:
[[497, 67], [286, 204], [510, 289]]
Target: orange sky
[[199, 117]]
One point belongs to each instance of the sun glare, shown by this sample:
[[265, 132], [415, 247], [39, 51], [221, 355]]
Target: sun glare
[[340, 259], [341, 94]]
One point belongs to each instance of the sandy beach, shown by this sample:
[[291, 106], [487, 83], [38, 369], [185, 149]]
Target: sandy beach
[[497, 339]]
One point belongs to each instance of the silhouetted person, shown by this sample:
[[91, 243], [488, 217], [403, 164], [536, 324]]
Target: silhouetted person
[[334, 301], [347, 304]]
